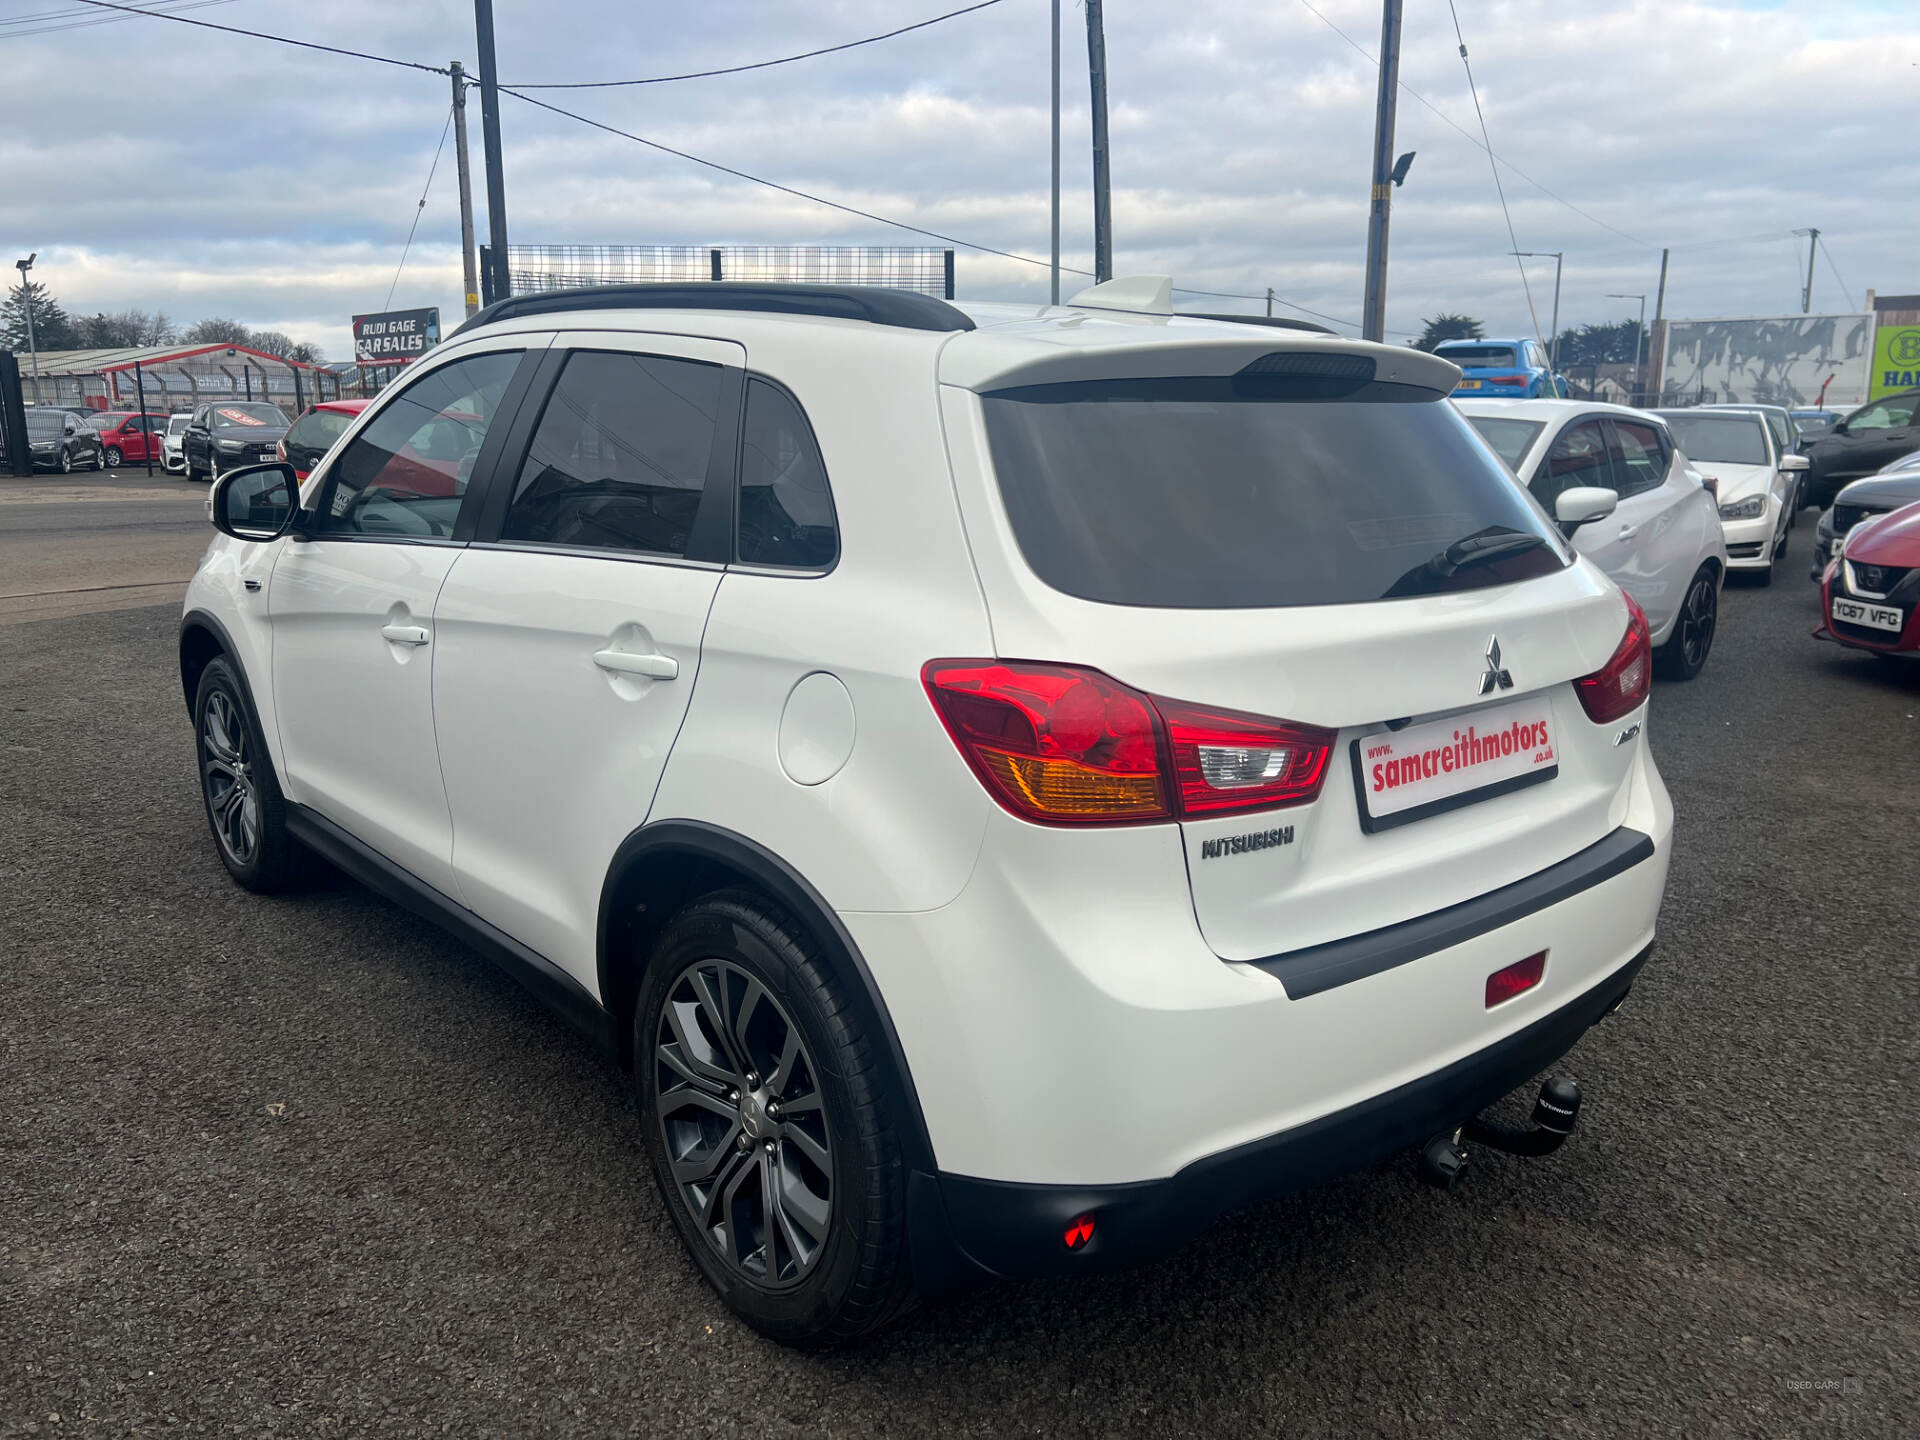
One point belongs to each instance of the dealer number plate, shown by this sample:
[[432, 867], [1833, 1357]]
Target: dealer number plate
[[1406, 775], [1877, 617]]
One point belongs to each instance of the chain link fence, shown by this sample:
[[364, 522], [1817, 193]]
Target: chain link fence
[[534, 269]]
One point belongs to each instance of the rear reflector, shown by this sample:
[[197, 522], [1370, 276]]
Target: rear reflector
[[1066, 745], [1515, 979], [1080, 1233], [1621, 685]]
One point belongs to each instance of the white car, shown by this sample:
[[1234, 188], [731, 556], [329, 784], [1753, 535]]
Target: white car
[[172, 457], [1662, 544], [1786, 442], [781, 681], [1757, 482]]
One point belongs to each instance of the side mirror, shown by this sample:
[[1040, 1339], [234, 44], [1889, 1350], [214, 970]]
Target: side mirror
[[255, 502], [1795, 462], [1582, 505]]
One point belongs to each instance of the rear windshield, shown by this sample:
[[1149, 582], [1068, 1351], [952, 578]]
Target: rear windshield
[[1718, 439], [312, 434], [52, 422], [1189, 493], [1509, 438], [241, 413], [1476, 355]]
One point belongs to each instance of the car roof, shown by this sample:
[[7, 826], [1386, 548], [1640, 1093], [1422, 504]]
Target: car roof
[[1487, 340]]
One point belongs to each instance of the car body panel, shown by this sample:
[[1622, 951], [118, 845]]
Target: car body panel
[[1865, 441]]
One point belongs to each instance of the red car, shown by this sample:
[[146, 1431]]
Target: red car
[[128, 436], [313, 434], [1870, 596]]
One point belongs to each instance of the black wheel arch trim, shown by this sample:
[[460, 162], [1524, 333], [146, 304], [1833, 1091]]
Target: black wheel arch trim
[[662, 839]]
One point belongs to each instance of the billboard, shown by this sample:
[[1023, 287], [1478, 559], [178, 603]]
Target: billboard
[[1770, 360], [1896, 360], [396, 336]]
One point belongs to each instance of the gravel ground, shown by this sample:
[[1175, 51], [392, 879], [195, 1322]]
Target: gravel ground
[[303, 1166]]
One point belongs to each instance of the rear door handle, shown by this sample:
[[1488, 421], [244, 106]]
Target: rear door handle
[[1627, 532], [625, 662], [404, 634]]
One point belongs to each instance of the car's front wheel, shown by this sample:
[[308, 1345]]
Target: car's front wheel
[[65, 463], [115, 457], [244, 806], [1685, 653], [768, 1122]]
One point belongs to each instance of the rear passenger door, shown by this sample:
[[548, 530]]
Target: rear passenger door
[[1657, 546], [569, 631]]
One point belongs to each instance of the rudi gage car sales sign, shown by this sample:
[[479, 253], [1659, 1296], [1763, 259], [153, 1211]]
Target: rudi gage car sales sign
[[395, 337]]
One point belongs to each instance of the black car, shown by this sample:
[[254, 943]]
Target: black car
[[63, 440], [1869, 439], [1897, 485], [230, 433]]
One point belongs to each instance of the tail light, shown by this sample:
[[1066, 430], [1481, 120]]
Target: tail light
[[1506, 379], [1621, 684], [1065, 745]]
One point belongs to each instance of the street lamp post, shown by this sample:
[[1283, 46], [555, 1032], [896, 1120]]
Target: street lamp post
[[1557, 256], [26, 297], [1639, 347]]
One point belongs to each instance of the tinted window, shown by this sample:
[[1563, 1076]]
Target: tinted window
[[1639, 457], [786, 509], [405, 473], [177, 424], [1195, 493], [1881, 415], [1578, 457], [46, 422], [313, 435], [619, 459], [1476, 356], [1718, 439], [1509, 438]]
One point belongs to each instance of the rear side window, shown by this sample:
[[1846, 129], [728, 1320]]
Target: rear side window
[[1640, 457], [1578, 458], [619, 459], [1203, 493], [786, 509], [1509, 438]]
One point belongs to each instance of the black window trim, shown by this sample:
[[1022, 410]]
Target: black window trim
[[754, 567], [479, 483], [1596, 417], [1617, 462]]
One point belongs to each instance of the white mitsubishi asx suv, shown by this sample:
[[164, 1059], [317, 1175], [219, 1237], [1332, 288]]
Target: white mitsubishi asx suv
[[1011, 784]]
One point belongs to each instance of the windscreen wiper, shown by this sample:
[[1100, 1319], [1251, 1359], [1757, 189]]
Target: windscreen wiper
[[1496, 542]]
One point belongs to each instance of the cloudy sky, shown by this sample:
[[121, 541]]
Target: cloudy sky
[[156, 165]]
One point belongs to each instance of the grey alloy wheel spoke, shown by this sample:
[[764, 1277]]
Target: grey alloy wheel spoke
[[795, 1136], [691, 1071], [689, 1097], [218, 729], [228, 815], [799, 1242], [743, 1017], [691, 1061], [811, 1210], [783, 1069], [702, 1165], [769, 1218], [729, 1192], [711, 991]]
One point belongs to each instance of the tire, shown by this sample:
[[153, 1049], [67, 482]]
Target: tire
[[250, 833], [838, 1268], [65, 463], [1685, 653], [114, 458]]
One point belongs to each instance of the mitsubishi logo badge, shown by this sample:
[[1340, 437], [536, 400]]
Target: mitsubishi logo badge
[[1495, 678]]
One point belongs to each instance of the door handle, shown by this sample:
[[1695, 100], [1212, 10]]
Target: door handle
[[1627, 532], [404, 634], [625, 662]]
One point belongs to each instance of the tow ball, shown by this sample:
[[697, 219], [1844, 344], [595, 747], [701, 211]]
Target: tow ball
[[1443, 1159]]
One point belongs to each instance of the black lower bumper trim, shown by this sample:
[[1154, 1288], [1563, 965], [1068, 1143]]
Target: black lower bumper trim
[[1018, 1230]]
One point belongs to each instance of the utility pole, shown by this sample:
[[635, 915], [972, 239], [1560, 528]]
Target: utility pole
[[1640, 340], [490, 137], [1056, 152], [469, 269], [1806, 295], [1657, 363], [26, 298], [1558, 257], [1373, 311], [1102, 188]]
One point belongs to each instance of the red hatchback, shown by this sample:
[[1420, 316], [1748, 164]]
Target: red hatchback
[[313, 434], [1870, 596], [128, 436]]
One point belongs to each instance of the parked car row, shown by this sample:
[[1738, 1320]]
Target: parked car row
[[63, 440]]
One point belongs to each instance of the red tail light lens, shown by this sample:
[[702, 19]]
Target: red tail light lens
[[1621, 685], [1506, 380], [1070, 746], [1515, 979]]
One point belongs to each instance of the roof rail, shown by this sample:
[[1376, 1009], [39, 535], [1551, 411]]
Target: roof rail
[[1279, 322], [905, 309]]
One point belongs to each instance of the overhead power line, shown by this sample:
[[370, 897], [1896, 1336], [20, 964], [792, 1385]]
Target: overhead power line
[[758, 64], [1371, 59], [1846, 290], [431, 170], [52, 22], [264, 35]]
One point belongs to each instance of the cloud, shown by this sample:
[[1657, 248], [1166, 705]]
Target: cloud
[[232, 176]]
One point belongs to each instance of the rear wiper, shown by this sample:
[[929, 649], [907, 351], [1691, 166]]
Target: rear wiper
[[1479, 548]]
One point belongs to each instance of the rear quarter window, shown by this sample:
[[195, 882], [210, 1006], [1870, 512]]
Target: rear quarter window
[[1192, 493]]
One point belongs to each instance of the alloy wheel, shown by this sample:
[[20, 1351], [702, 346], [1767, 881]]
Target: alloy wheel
[[1698, 616], [232, 790], [739, 1106], [66, 462], [114, 458]]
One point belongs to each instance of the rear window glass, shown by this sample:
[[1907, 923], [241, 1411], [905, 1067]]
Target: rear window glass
[[51, 422], [1718, 439], [1191, 493], [1509, 438], [1476, 355]]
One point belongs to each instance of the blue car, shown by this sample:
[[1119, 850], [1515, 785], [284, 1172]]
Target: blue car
[[1513, 368]]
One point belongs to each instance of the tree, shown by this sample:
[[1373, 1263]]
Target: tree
[[1601, 344], [125, 328], [53, 329], [1448, 326], [217, 330]]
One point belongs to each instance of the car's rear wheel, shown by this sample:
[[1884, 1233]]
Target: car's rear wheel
[[244, 806], [115, 457], [1685, 653], [768, 1123]]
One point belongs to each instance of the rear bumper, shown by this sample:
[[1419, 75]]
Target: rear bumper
[[964, 1227]]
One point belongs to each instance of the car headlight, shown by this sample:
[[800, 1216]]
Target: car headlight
[[231, 447], [1751, 508]]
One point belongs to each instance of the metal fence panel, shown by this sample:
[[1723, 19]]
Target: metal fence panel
[[535, 269]]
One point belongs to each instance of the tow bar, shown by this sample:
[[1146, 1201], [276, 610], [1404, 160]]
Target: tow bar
[[1443, 1159]]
